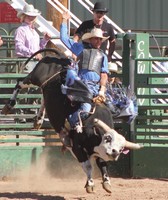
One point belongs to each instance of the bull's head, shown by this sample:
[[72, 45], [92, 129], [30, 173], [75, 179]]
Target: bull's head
[[112, 144]]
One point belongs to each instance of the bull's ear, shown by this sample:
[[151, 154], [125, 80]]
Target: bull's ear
[[131, 145], [102, 125]]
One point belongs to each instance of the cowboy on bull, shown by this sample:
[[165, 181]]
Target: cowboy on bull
[[92, 67]]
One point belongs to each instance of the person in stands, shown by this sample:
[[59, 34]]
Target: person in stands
[[1, 41], [99, 12], [92, 66], [27, 40]]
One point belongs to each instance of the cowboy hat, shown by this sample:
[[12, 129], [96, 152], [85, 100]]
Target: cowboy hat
[[28, 10], [113, 67], [99, 7], [95, 32]]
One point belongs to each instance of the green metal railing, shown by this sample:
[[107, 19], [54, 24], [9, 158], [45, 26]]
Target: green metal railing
[[150, 126]]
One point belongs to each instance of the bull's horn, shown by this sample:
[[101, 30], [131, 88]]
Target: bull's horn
[[131, 145], [101, 124]]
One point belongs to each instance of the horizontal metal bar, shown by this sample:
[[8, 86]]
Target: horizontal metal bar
[[151, 133], [12, 59], [155, 117], [152, 59], [150, 141], [27, 95], [11, 75], [17, 126], [151, 126], [29, 132], [22, 140]]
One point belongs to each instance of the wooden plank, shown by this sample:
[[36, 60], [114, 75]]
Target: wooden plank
[[26, 95], [24, 106], [29, 140], [29, 132], [11, 85], [11, 75], [17, 126]]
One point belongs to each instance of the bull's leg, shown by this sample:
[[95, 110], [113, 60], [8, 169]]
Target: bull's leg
[[11, 103], [106, 179], [82, 156], [87, 167], [39, 118]]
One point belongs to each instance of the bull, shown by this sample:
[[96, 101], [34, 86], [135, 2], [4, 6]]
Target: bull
[[98, 140]]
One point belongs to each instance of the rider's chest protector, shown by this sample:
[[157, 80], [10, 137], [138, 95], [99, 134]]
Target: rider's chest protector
[[91, 59]]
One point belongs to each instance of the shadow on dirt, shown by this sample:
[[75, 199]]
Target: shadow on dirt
[[29, 195]]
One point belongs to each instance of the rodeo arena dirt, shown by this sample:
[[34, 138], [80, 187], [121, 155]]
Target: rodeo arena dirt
[[68, 184]]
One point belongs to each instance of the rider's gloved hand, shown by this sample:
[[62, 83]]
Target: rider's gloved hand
[[102, 92], [63, 89]]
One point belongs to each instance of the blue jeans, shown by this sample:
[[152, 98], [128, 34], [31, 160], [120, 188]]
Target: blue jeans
[[85, 107], [83, 111]]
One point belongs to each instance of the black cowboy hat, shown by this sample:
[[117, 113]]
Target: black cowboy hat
[[99, 7]]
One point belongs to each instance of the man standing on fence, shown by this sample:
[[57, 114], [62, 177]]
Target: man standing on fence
[[99, 12]]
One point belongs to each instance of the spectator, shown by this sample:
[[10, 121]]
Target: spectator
[[1, 41], [27, 40], [92, 70], [113, 69], [99, 11]]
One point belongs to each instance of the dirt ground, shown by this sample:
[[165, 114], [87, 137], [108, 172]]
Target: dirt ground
[[41, 187], [66, 181], [66, 189]]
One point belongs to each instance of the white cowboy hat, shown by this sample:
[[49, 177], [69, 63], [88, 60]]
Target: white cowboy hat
[[28, 10], [96, 32], [113, 67]]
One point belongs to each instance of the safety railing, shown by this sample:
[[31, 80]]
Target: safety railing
[[152, 94], [17, 128]]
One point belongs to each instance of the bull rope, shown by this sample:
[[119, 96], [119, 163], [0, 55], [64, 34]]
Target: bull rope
[[80, 120], [45, 82]]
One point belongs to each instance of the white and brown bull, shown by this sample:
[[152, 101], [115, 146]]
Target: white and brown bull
[[98, 139]]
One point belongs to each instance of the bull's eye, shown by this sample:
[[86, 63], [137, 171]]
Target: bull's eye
[[108, 139]]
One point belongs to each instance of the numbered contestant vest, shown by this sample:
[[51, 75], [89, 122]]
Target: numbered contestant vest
[[91, 59]]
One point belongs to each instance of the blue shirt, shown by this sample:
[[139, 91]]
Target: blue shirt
[[77, 48]]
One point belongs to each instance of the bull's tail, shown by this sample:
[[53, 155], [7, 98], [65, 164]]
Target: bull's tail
[[12, 101]]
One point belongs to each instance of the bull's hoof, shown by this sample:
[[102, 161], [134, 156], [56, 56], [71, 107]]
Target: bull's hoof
[[89, 189], [107, 186], [37, 123], [90, 186], [6, 109]]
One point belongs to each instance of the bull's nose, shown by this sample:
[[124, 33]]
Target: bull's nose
[[113, 153]]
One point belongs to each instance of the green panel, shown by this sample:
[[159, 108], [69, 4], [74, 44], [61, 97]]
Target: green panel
[[150, 162], [14, 159], [142, 51], [120, 168]]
